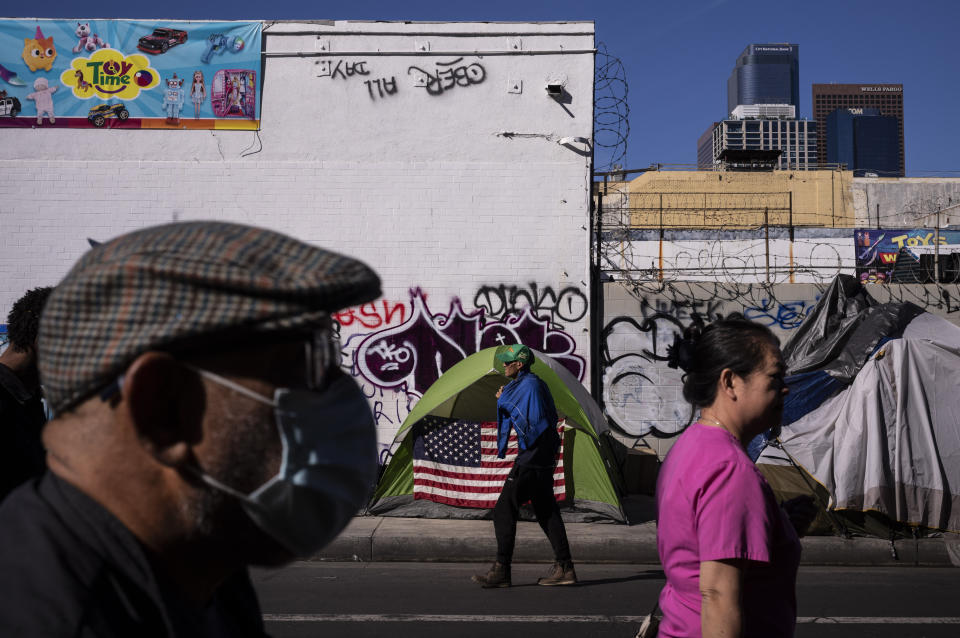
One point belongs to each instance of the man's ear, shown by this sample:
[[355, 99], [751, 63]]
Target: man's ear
[[165, 402]]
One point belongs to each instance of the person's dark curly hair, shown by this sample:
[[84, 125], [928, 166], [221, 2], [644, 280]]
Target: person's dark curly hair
[[23, 322]]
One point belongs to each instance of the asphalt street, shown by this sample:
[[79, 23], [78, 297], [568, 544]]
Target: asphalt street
[[437, 599]]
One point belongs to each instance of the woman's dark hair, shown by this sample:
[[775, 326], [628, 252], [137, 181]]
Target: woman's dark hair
[[734, 343], [23, 322]]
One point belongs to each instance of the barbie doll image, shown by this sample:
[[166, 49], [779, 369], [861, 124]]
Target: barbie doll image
[[197, 93]]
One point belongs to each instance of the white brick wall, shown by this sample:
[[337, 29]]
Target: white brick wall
[[421, 187]]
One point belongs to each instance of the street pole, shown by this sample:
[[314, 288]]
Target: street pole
[[936, 249], [660, 269], [766, 231], [792, 280]]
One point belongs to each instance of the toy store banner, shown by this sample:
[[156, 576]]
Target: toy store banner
[[877, 249], [130, 74]]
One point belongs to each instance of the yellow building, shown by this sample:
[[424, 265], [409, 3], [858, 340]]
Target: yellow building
[[729, 199]]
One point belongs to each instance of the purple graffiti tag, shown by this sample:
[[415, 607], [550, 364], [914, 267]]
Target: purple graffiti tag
[[411, 356], [537, 334]]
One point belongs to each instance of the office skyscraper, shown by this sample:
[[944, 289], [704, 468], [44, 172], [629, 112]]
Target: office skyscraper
[[765, 74], [887, 98], [865, 141]]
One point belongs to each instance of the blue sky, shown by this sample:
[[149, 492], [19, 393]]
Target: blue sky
[[678, 54]]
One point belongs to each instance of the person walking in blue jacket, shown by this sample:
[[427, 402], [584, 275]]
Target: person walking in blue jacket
[[525, 405]]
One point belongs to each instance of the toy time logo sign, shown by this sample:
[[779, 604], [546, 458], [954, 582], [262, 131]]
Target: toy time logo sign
[[108, 73]]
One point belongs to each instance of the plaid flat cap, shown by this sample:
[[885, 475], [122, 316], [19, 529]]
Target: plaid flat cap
[[171, 285]]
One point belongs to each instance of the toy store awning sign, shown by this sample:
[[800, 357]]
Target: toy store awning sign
[[130, 74]]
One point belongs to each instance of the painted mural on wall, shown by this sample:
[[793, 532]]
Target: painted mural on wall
[[130, 74], [396, 350], [877, 249]]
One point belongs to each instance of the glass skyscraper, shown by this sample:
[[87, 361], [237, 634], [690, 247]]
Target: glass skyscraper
[[765, 74], [866, 141]]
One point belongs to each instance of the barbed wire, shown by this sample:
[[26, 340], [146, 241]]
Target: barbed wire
[[611, 119]]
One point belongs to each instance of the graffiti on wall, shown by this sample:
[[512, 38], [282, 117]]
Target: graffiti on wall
[[568, 305], [783, 315], [446, 76], [640, 392], [372, 315], [412, 355], [436, 80], [345, 70], [396, 350], [642, 395]]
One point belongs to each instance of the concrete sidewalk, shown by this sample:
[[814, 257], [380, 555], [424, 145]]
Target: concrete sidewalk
[[384, 539]]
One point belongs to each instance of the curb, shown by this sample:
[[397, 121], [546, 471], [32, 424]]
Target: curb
[[387, 539]]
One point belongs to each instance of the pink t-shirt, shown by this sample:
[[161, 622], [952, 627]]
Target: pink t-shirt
[[713, 504]]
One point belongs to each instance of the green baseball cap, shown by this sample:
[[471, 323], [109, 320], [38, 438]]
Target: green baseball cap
[[516, 352]]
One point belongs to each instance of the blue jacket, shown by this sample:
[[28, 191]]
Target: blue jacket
[[525, 405]]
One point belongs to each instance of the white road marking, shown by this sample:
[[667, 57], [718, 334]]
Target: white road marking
[[462, 618]]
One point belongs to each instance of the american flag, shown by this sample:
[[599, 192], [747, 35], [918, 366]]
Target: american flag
[[455, 462]]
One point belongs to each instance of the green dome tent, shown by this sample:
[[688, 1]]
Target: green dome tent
[[467, 392]]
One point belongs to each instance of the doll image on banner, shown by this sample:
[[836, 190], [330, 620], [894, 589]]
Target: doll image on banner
[[233, 93], [198, 93], [173, 98], [43, 96]]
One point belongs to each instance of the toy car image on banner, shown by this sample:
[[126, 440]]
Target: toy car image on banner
[[130, 74]]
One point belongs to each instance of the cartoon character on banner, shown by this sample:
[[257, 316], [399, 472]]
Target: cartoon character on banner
[[43, 96], [198, 93], [39, 52], [86, 40], [173, 98], [82, 85]]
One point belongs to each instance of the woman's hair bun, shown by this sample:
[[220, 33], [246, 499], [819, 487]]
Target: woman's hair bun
[[680, 353]]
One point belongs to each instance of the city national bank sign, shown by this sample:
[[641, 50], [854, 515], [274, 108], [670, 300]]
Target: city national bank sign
[[130, 74]]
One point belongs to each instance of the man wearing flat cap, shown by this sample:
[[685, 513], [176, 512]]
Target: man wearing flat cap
[[526, 406], [202, 424]]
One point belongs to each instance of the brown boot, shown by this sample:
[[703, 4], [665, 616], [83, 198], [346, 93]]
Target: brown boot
[[562, 574], [498, 576]]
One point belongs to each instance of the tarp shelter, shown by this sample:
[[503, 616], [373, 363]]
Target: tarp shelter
[[467, 392], [872, 422]]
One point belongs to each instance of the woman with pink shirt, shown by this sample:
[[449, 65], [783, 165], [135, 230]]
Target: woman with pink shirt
[[729, 551]]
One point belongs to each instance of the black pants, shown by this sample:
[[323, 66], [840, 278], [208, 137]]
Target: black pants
[[529, 484]]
